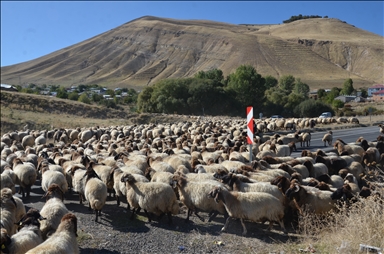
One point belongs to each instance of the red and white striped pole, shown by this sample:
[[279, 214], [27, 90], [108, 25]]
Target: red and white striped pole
[[250, 130]]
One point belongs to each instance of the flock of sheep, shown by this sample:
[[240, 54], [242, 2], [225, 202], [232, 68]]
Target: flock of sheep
[[202, 164]]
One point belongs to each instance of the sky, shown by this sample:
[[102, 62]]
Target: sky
[[31, 29]]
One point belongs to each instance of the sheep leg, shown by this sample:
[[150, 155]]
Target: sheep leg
[[198, 216], [148, 216], [244, 228], [97, 216], [169, 218], [212, 216], [133, 214], [22, 192], [188, 214], [118, 200], [224, 229], [283, 227], [28, 189]]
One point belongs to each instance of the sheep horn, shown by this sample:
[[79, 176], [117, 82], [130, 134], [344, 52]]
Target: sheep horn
[[297, 188]]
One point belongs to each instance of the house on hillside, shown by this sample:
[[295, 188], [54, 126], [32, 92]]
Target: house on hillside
[[375, 88], [8, 88], [378, 96], [345, 98]]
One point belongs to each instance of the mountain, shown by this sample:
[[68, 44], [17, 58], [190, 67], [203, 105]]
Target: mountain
[[322, 52]]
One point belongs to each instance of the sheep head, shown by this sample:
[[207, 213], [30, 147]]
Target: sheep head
[[293, 191], [128, 178], [32, 217], [7, 197], [54, 191], [5, 240], [215, 194], [343, 193], [68, 222]]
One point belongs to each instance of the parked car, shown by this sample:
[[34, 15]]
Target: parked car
[[325, 115], [277, 116]]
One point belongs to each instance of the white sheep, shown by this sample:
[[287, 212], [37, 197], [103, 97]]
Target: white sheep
[[159, 198], [49, 177], [63, 241], [6, 182], [8, 211], [193, 194], [28, 237], [95, 191], [20, 208], [328, 137], [53, 210], [25, 175], [252, 206]]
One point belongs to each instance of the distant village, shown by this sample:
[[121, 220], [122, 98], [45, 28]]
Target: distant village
[[375, 93]]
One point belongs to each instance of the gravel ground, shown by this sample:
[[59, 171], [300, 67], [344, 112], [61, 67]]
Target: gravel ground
[[115, 232]]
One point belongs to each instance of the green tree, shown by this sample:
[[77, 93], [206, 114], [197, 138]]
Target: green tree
[[287, 82], [62, 93], [74, 96], [270, 81], [347, 87], [312, 108], [321, 93], [214, 74], [248, 85], [301, 88], [84, 98], [364, 92], [96, 97], [332, 95], [336, 104]]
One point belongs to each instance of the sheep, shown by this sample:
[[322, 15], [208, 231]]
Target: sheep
[[53, 210], [316, 169], [95, 191], [252, 206], [237, 184], [371, 155], [159, 198], [193, 194], [341, 147], [104, 172], [328, 137], [28, 237], [318, 201], [381, 128], [20, 208], [6, 182], [53, 177], [287, 139], [63, 241], [25, 175], [305, 138], [8, 211]]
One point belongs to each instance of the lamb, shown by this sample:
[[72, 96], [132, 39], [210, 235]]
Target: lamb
[[53, 210], [327, 138], [8, 211], [25, 175], [63, 241], [193, 194], [318, 202], [159, 198], [95, 191], [252, 206], [28, 237]]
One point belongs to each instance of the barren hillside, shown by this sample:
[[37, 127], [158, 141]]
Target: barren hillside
[[322, 52]]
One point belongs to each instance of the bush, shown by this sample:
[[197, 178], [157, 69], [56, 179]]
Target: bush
[[74, 96], [84, 99], [312, 108]]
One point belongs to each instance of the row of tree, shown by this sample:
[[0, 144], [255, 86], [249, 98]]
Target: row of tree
[[299, 17], [210, 93]]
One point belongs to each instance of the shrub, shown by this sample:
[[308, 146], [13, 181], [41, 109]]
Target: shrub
[[312, 108], [84, 99]]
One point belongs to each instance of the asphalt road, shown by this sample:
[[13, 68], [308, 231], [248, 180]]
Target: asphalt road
[[347, 135]]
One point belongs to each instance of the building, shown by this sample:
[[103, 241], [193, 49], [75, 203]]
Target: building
[[345, 98], [8, 88], [375, 88], [378, 96]]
